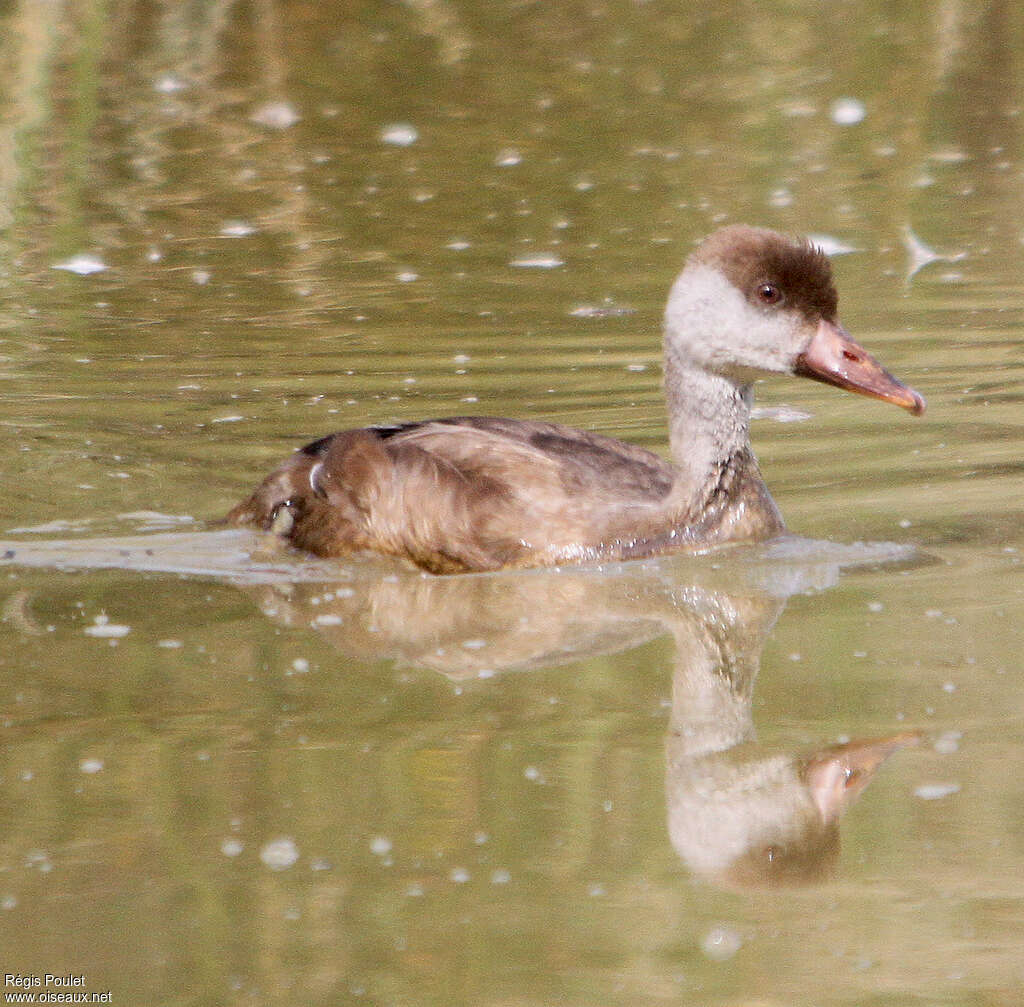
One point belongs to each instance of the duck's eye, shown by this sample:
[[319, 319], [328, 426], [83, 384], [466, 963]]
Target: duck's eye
[[768, 293]]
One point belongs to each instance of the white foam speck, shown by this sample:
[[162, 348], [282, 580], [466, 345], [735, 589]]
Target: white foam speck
[[275, 115], [399, 134], [327, 619], [104, 629], [237, 229], [949, 155], [539, 261], [60, 525], [81, 265], [91, 766], [721, 943], [380, 846], [780, 414], [40, 860], [508, 158], [280, 854], [848, 111], [607, 309], [830, 245], [936, 791], [232, 847], [168, 83]]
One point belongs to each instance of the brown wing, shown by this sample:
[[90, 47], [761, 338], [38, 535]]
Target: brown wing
[[577, 462], [468, 493]]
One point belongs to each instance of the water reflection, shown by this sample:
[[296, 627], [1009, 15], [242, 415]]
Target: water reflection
[[739, 815]]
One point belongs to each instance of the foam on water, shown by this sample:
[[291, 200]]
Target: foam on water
[[782, 567]]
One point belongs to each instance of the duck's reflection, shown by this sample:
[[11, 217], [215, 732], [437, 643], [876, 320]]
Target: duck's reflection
[[747, 818], [738, 814]]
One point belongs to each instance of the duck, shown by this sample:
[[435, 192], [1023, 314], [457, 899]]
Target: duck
[[482, 493]]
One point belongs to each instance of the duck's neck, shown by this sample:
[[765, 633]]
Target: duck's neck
[[709, 429]]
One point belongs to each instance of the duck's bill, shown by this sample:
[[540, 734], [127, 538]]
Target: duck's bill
[[835, 358], [836, 775]]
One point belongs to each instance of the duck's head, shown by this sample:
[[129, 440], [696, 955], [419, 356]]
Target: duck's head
[[751, 302]]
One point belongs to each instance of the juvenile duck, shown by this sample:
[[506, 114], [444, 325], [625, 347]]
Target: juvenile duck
[[481, 493]]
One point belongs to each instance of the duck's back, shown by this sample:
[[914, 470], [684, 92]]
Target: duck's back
[[466, 493]]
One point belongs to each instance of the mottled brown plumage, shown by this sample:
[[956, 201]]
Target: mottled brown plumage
[[483, 493]]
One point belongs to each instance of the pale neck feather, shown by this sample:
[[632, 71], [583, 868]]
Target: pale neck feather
[[714, 346], [708, 424]]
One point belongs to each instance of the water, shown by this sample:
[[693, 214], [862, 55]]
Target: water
[[785, 774]]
